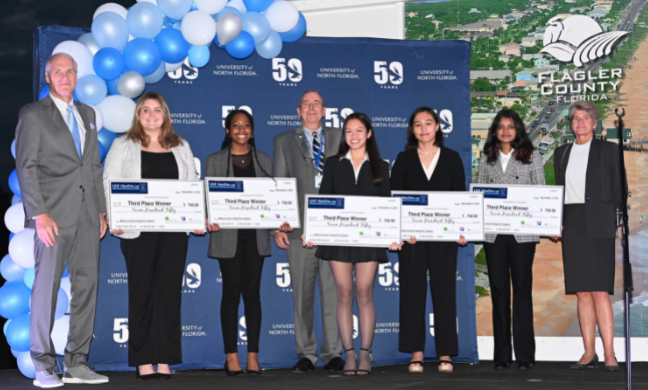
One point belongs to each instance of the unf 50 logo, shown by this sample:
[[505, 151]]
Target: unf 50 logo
[[120, 329], [388, 72], [186, 70], [334, 118], [388, 276], [192, 276], [228, 109], [446, 121], [291, 70]]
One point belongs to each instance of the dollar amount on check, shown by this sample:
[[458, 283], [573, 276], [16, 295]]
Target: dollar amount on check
[[352, 220], [252, 203], [521, 209], [441, 216], [157, 205]]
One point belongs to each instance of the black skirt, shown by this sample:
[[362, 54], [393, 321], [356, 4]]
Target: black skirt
[[352, 255], [589, 263]]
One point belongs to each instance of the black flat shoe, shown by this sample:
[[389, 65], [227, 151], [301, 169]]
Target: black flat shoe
[[233, 373], [335, 364], [302, 366], [592, 364], [501, 366], [147, 377], [612, 368], [524, 366]]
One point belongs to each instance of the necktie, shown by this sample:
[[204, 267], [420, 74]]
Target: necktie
[[74, 129], [316, 149]]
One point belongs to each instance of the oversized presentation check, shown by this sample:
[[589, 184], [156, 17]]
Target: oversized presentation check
[[252, 203], [157, 205], [522, 209], [441, 216], [361, 221]]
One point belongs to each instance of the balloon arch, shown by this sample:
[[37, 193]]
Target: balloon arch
[[127, 49]]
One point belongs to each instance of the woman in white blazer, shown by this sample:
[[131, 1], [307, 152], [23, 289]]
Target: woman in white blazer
[[155, 260]]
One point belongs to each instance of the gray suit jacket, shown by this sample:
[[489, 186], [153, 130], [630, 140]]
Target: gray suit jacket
[[222, 244], [52, 177], [516, 173], [293, 158]]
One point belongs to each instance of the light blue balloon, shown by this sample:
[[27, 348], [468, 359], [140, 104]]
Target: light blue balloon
[[297, 32], [11, 235], [15, 199], [108, 63], [18, 333], [88, 41], [144, 20], [175, 9], [61, 304], [110, 30], [13, 148], [4, 328], [29, 277], [157, 75], [91, 89], [14, 299], [199, 56], [257, 5], [26, 364], [14, 352], [271, 47], [228, 10], [14, 186], [173, 46], [11, 271], [178, 26], [169, 22], [142, 56], [257, 25], [106, 137], [112, 86]]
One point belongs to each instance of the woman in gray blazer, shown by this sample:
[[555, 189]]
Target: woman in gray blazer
[[509, 158], [155, 261], [240, 252]]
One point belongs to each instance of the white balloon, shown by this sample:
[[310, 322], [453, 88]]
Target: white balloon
[[81, 55], [283, 16], [210, 6], [198, 28], [21, 248], [60, 334], [111, 7], [15, 218], [67, 287], [150, 1], [118, 113], [238, 4], [99, 119], [173, 67]]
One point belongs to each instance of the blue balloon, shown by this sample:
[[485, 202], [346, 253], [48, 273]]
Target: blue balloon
[[175, 9], [91, 89], [108, 63], [65, 271], [144, 20], [14, 352], [228, 10], [110, 30], [13, 148], [257, 25], [61, 304], [257, 5], [15, 199], [169, 22], [193, 7], [44, 92], [11, 235], [9, 270], [142, 56], [29, 277], [199, 56], [25, 364], [178, 25], [297, 32], [106, 138], [157, 75], [14, 299], [242, 46], [14, 186], [4, 328], [173, 47], [271, 47], [112, 86], [18, 333]]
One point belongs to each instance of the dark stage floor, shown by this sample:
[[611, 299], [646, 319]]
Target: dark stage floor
[[552, 376]]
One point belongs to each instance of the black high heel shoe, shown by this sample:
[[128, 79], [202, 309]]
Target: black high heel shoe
[[592, 364], [365, 372], [147, 377], [354, 371], [233, 373], [613, 368]]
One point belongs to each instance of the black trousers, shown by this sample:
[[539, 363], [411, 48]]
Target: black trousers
[[503, 255], [155, 263], [242, 275], [440, 258]]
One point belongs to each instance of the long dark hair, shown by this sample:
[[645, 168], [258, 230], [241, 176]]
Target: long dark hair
[[522, 144], [227, 142], [412, 141], [371, 145]]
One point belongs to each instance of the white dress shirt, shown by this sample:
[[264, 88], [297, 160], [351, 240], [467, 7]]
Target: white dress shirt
[[62, 107], [430, 170], [576, 172], [505, 158], [356, 171]]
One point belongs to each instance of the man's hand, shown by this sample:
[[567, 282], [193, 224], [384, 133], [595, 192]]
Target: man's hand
[[462, 240], [212, 227], [281, 239], [46, 229], [104, 225]]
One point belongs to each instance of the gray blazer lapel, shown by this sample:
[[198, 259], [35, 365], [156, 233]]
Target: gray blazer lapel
[[497, 170], [89, 126], [303, 146], [511, 169], [60, 127], [135, 150]]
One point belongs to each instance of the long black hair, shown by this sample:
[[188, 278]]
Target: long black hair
[[412, 141], [227, 142], [372, 146], [522, 144]]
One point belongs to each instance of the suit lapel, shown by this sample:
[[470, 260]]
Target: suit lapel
[[497, 169], [330, 148], [565, 161], [511, 168], [87, 125], [135, 149], [60, 129], [303, 146], [182, 172], [593, 167]]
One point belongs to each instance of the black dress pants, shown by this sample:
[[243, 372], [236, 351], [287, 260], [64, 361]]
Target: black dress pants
[[242, 275], [503, 255], [440, 258], [155, 263]]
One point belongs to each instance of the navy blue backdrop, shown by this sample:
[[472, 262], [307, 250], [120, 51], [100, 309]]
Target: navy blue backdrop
[[386, 79]]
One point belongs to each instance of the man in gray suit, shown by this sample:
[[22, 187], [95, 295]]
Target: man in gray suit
[[59, 171], [301, 153]]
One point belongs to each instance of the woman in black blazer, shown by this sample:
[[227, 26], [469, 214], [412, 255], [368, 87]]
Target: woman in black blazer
[[357, 170], [426, 165], [589, 170]]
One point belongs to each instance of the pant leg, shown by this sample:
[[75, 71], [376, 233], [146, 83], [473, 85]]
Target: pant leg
[[251, 290], [167, 296], [331, 341], [442, 262], [413, 296], [141, 255], [231, 271], [497, 257], [522, 276]]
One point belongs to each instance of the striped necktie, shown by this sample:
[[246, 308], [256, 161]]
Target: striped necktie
[[316, 149], [74, 129]]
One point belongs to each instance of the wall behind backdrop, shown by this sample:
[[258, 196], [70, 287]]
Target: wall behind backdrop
[[386, 79]]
